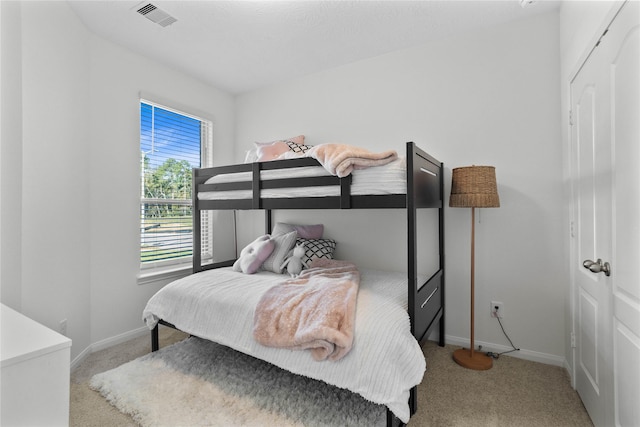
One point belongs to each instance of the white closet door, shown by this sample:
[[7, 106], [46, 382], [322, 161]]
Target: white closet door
[[606, 198]]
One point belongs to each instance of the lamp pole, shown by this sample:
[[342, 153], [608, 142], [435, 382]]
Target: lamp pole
[[463, 357], [473, 276]]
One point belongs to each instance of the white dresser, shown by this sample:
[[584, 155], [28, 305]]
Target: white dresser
[[35, 372]]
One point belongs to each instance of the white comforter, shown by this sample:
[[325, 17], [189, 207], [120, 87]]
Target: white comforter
[[383, 365]]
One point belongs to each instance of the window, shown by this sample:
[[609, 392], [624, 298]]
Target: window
[[171, 144]]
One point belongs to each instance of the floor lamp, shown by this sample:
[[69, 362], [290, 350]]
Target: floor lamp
[[473, 187]]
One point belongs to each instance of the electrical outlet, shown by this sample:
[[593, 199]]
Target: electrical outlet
[[497, 309], [62, 327]]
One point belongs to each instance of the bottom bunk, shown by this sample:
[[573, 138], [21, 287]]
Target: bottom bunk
[[384, 364]]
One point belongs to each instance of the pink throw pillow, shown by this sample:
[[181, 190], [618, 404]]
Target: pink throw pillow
[[272, 151], [267, 151], [304, 231]]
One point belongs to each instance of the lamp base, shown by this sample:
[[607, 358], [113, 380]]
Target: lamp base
[[479, 361]]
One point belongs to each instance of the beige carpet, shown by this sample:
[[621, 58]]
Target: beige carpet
[[514, 392]]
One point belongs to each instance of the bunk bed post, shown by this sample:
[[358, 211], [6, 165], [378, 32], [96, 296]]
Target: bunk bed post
[[411, 239], [345, 192], [441, 249], [196, 224], [255, 186], [155, 339], [412, 281], [267, 221]]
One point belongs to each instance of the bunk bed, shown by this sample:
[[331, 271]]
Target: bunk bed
[[267, 186]]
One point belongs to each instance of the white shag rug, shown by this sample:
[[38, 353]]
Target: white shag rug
[[200, 383]]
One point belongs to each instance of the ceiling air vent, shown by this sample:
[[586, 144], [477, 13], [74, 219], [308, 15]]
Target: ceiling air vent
[[156, 15]]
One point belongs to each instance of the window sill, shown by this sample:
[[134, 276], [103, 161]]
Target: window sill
[[173, 272]]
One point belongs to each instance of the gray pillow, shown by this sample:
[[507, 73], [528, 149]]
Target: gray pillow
[[283, 244]]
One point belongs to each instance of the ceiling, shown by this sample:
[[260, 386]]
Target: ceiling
[[239, 46]]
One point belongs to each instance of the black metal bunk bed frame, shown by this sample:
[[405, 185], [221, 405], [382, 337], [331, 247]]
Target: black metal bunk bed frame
[[425, 189]]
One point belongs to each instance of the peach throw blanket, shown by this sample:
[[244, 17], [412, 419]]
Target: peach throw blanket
[[341, 159], [315, 311]]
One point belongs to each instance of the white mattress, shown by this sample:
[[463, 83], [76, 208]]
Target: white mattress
[[384, 364], [378, 180]]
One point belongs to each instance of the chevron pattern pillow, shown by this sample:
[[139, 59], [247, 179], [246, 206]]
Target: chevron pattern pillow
[[298, 148], [316, 248]]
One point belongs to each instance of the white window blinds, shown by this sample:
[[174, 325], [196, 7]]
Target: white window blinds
[[171, 144]]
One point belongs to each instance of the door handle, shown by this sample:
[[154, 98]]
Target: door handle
[[597, 266]]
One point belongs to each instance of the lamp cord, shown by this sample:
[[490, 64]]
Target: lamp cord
[[497, 355]]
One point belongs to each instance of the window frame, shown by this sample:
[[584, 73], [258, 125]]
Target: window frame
[[176, 267]]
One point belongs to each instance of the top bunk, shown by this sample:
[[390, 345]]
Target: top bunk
[[414, 181]]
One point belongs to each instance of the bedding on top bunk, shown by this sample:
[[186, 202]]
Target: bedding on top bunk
[[380, 180], [339, 159], [342, 159], [384, 363]]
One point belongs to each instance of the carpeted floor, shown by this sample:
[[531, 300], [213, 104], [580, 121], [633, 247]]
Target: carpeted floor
[[514, 392]]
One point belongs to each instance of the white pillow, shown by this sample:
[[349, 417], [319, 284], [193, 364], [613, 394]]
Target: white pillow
[[293, 145]]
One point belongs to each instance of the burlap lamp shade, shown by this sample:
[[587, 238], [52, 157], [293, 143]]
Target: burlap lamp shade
[[474, 187]]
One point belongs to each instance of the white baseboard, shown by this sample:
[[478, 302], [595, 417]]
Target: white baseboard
[[108, 342], [535, 356], [118, 339], [569, 370], [80, 358]]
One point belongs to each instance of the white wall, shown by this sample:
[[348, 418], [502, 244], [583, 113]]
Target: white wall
[[581, 25], [73, 156], [489, 97], [117, 78], [55, 152], [11, 155]]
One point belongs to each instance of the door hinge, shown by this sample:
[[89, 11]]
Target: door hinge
[[573, 340], [570, 117], [571, 229]]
